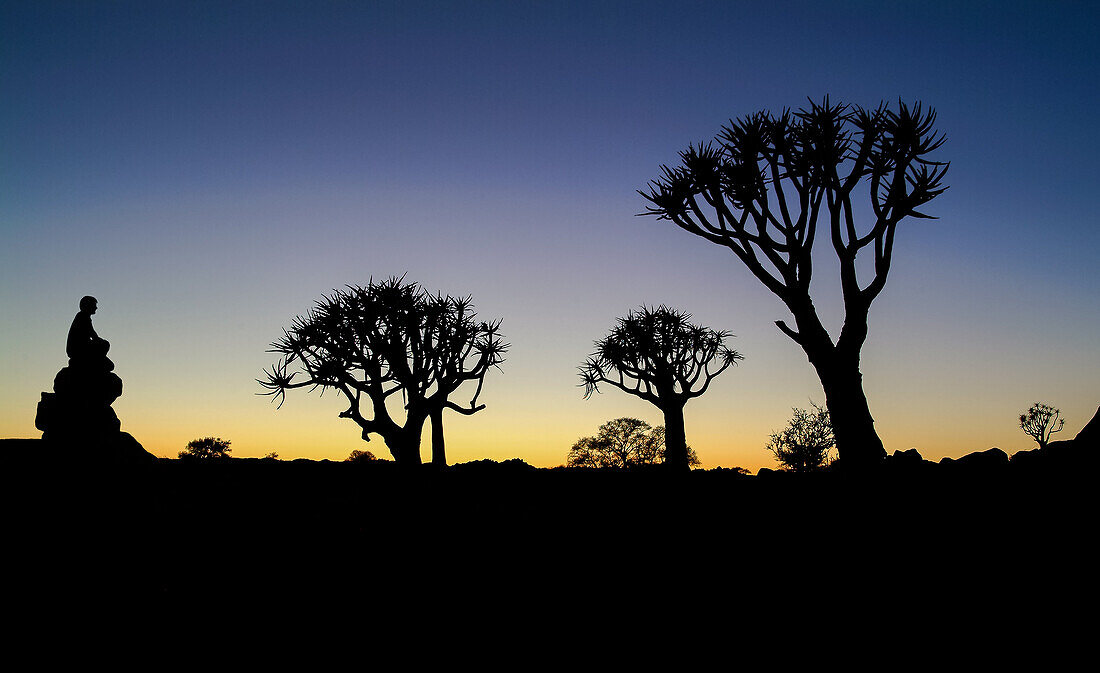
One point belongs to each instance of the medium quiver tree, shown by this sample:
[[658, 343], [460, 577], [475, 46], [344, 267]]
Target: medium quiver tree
[[388, 338], [658, 355]]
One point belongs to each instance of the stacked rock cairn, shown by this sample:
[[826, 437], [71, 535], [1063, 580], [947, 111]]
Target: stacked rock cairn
[[78, 411]]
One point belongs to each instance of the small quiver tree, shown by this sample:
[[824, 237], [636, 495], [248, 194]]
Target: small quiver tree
[[658, 355], [1040, 422]]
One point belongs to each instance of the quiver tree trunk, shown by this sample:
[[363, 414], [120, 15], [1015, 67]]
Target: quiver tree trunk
[[837, 366], [404, 442], [439, 448], [857, 442], [407, 451], [676, 454]]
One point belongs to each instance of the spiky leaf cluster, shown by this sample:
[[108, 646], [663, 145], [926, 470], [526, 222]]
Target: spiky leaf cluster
[[657, 354], [760, 187]]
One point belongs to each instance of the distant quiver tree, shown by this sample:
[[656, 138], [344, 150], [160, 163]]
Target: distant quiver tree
[[389, 341], [762, 188], [1040, 422], [658, 355]]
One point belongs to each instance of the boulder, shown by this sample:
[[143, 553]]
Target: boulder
[[1027, 459], [122, 449], [905, 459], [989, 460]]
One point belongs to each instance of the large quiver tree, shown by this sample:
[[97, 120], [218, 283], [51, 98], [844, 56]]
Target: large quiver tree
[[761, 188], [388, 338]]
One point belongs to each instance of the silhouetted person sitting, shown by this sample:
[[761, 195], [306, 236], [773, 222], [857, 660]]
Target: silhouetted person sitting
[[84, 347]]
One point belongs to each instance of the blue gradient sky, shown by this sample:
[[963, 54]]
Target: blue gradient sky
[[207, 170]]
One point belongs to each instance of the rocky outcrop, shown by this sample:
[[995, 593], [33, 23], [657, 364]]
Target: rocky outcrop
[[79, 408], [1090, 434], [988, 460]]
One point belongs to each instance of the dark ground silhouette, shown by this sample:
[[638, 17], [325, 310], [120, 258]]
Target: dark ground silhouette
[[252, 529]]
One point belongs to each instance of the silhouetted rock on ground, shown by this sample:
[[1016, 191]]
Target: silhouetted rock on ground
[[67, 418], [908, 462], [119, 449], [906, 458], [987, 462], [1027, 459], [89, 384], [80, 406]]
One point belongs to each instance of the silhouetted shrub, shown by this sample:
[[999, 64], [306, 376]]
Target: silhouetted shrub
[[357, 456], [621, 443], [206, 448], [805, 444]]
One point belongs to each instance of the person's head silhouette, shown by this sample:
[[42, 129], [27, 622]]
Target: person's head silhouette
[[88, 305]]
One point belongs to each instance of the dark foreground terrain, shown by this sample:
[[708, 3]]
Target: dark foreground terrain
[[174, 530]]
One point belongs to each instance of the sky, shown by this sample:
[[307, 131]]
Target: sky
[[208, 169]]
